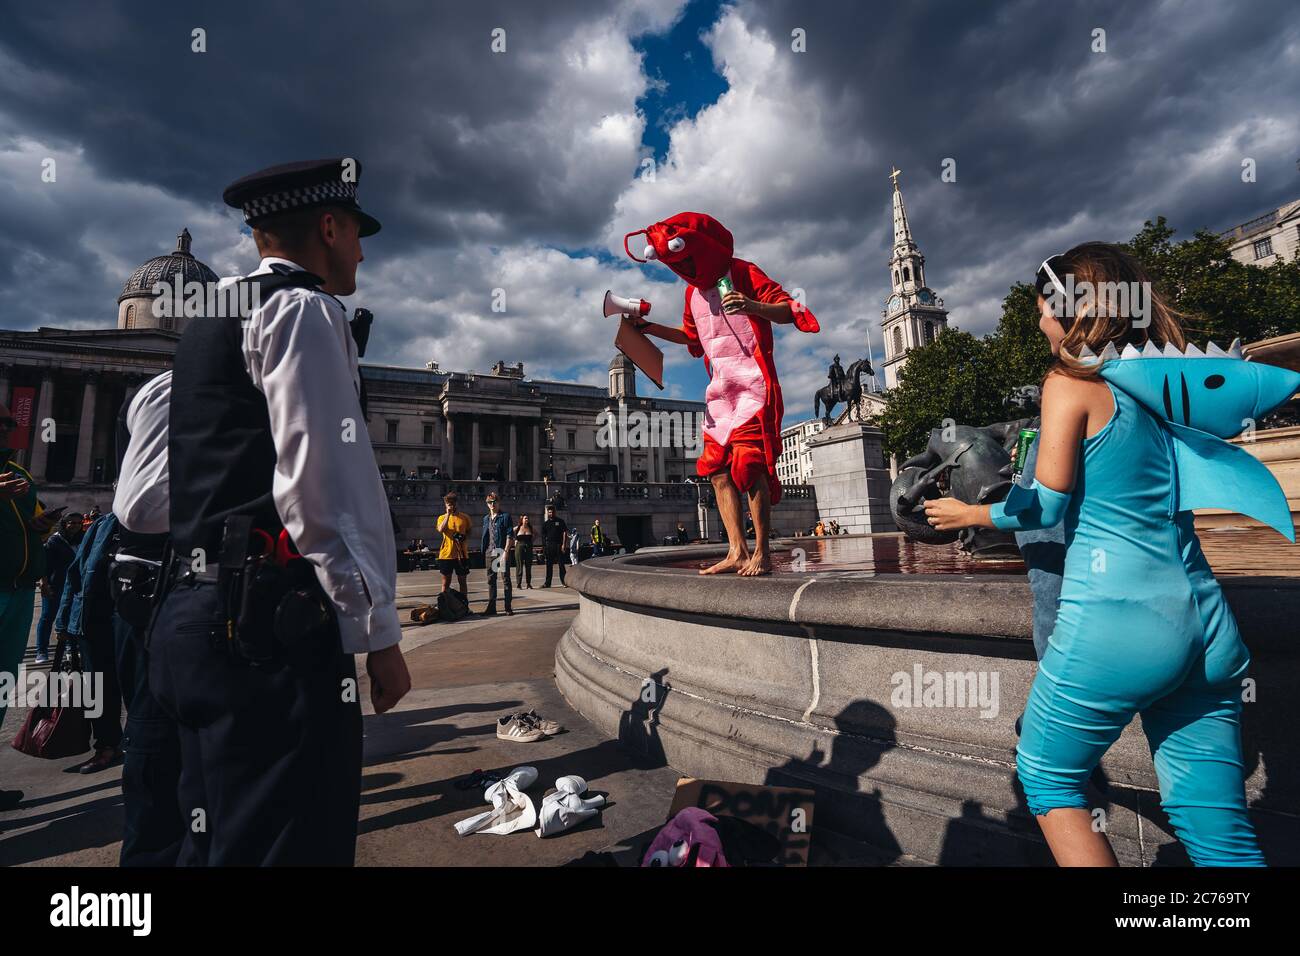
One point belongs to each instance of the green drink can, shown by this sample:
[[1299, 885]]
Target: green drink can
[[725, 285], [1023, 441]]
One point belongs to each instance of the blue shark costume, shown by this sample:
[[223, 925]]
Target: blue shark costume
[[1142, 626]]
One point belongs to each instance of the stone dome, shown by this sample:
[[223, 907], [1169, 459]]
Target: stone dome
[[165, 268]]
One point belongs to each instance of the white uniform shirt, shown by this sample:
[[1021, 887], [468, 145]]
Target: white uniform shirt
[[299, 352], [143, 497]]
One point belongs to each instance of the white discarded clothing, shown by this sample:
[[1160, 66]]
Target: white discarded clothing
[[565, 809], [511, 808]]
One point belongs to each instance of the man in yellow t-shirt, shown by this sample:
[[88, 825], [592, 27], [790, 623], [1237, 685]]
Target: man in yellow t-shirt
[[453, 556]]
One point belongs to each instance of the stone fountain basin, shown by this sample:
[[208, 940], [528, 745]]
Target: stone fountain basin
[[795, 680]]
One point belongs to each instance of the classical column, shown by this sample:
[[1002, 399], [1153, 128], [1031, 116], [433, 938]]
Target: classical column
[[537, 454], [512, 471], [44, 408], [473, 449], [86, 430], [612, 432], [449, 450], [133, 385]]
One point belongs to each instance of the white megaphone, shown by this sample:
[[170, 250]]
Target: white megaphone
[[618, 305]]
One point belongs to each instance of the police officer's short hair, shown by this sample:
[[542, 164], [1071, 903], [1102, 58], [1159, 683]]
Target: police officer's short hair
[[292, 230]]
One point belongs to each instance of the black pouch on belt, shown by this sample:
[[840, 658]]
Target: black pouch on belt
[[303, 612], [264, 587], [133, 586]]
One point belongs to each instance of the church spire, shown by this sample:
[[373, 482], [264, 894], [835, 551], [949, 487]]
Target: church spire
[[903, 243], [913, 315], [183, 243]]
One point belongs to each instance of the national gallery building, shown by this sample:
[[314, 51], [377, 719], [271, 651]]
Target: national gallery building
[[423, 422]]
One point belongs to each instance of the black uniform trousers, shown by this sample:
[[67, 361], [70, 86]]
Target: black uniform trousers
[[554, 556], [98, 657], [270, 756], [154, 828]]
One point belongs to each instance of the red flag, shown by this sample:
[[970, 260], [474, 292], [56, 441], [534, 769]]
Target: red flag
[[23, 410]]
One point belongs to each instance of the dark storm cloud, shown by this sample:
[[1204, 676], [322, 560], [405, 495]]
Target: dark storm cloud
[[484, 167], [460, 145], [413, 89], [1045, 131]]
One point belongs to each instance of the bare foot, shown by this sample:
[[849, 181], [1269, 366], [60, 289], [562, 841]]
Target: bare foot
[[759, 563], [734, 561]]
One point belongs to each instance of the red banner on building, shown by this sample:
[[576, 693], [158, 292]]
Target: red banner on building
[[23, 411]]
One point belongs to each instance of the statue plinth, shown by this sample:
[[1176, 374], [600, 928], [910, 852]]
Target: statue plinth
[[851, 476]]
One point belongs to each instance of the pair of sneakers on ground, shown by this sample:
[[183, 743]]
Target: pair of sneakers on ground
[[526, 727]]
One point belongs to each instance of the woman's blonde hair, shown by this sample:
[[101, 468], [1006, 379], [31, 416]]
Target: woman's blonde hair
[[1105, 316]]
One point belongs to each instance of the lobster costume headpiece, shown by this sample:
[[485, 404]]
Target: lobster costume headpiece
[[693, 244]]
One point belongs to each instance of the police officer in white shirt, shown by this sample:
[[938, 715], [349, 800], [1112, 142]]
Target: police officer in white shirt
[[153, 825], [285, 564]]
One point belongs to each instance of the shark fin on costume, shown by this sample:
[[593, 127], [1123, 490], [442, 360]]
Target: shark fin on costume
[[1215, 474], [1211, 391], [1204, 397]]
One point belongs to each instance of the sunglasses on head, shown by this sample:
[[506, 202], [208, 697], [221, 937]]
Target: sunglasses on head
[[1047, 277]]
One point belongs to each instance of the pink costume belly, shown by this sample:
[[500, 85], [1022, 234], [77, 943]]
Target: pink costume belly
[[737, 390]]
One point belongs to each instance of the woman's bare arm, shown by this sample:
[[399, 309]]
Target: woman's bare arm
[[1064, 420]]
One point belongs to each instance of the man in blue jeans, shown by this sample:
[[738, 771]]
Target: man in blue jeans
[[60, 552], [1044, 555], [86, 616], [498, 542]]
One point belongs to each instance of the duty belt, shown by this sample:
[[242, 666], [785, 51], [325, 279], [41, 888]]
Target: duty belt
[[273, 605]]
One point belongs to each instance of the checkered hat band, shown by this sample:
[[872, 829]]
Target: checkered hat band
[[317, 195]]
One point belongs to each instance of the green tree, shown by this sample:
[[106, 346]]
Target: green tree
[[1222, 298], [946, 378], [966, 379], [1018, 350]]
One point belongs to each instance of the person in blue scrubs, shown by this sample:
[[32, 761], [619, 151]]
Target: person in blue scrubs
[[1133, 422]]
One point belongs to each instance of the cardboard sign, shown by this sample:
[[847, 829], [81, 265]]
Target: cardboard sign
[[644, 354], [784, 812]]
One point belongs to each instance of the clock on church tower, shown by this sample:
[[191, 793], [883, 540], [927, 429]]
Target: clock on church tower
[[913, 315]]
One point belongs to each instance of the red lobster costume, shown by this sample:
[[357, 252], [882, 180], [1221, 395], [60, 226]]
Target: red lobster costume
[[742, 419]]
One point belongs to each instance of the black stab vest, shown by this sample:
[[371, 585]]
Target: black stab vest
[[221, 455]]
